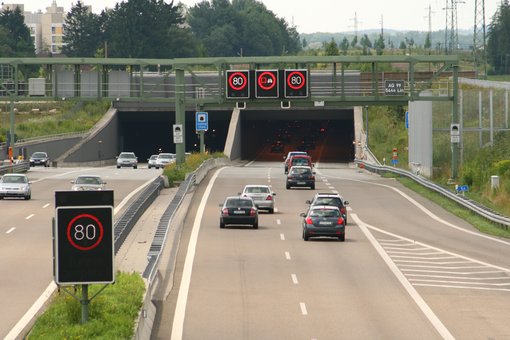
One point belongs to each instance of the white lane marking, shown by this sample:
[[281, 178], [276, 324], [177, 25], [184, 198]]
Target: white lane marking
[[32, 311], [10, 230], [425, 210], [46, 205], [29, 216], [278, 221], [282, 237], [427, 311], [294, 279], [182, 298], [287, 255], [16, 330], [302, 306], [249, 164]]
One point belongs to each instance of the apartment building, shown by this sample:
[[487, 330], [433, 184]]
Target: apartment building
[[46, 28]]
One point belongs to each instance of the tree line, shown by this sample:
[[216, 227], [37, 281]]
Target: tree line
[[215, 28]]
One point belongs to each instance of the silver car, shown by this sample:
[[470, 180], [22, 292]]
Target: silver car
[[262, 195], [151, 161], [164, 159], [88, 182], [15, 185], [127, 159]]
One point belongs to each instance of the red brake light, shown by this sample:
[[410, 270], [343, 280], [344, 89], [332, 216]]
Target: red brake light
[[269, 198], [252, 212], [340, 221], [309, 220], [225, 211], [342, 210]]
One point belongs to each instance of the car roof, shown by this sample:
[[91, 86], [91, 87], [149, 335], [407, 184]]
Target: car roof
[[301, 167], [327, 194], [96, 176], [257, 185], [324, 207], [14, 175]]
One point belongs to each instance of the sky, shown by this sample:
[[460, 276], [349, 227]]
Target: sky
[[333, 16]]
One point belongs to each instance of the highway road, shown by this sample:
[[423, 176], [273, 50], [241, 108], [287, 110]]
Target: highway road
[[407, 270], [26, 235]]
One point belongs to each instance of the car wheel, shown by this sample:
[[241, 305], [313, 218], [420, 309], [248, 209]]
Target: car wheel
[[222, 225], [305, 236], [27, 197], [313, 187], [287, 186], [118, 166], [271, 211], [256, 225], [135, 167], [342, 238]]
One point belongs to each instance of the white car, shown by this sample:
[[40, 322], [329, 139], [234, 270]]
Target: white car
[[127, 159], [261, 194], [88, 182], [164, 159], [15, 185], [151, 161]]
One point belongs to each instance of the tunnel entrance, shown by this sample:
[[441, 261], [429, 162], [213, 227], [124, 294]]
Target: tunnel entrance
[[266, 135]]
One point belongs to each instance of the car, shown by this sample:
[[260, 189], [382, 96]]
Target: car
[[262, 195], [15, 185], [289, 155], [300, 176], [88, 182], [127, 159], [164, 159], [151, 161], [239, 210], [300, 160], [325, 198], [323, 220], [39, 158]]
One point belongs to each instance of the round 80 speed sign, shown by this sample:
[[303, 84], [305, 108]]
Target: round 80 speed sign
[[85, 232]]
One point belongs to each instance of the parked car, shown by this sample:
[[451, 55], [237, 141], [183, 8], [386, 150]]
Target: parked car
[[239, 210], [164, 159], [323, 220], [262, 195], [127, 159], [300, 176], [39, 158], [151, 161], [332, 199], [88, 182], [289, 155], [15, 185]]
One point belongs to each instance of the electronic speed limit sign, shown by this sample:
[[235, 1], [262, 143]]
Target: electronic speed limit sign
[[296, 84], [238, 84], [84, 245]]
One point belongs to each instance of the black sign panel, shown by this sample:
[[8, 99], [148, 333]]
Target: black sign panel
[[238, 84], [296, 84], [266, 84], [84, 238], [394, 88]]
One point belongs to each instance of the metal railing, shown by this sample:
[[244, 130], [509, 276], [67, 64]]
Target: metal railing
[[474, 206]]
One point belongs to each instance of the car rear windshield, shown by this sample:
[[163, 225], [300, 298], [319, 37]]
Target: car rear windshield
[[257, 190], [299, 161], [239, 203], [301, 171], [324, 213], [328, 201]]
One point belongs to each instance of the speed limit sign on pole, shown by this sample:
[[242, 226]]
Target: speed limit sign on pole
[[84, 241], [296, 84]]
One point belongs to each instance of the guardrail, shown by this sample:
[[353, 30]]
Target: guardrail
[[22, 166], [474, 206]]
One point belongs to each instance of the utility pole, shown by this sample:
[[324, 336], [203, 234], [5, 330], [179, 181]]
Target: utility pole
[[479, 42]]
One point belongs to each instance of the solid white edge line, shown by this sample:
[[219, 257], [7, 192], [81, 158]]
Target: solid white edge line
[[282, 237], [32, 311], [427, 311], [29, 216], [182, 298], [18, 328]]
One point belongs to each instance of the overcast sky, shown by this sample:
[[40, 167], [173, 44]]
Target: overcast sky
[[336, 15]]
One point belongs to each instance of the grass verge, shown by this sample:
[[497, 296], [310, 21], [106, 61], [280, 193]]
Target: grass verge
[[477, 221], [112, 313]]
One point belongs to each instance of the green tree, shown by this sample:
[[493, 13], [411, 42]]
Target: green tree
[[428, 44], [379, 45], [331, 48], [354, 41], [82, 32], [15, 39], [366, 44], [344, 46], [145, 29], [243, 27], [498, 42]]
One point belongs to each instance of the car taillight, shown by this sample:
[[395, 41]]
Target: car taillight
[[340, 221], [309, 220], [252, 212], [342, 210], [225, 212], [269, 198]]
